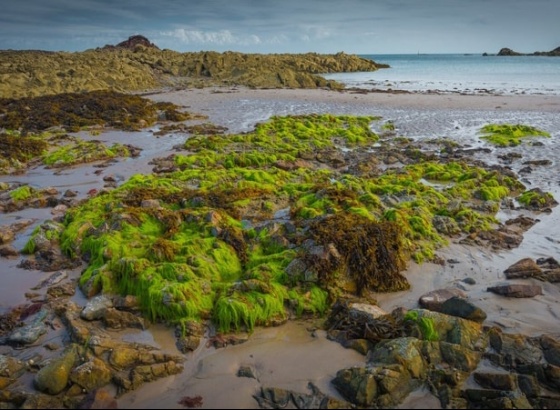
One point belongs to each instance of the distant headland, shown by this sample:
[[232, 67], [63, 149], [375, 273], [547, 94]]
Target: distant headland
[[509, 52]]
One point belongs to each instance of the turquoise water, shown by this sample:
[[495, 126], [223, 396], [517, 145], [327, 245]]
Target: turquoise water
[[459, 73]]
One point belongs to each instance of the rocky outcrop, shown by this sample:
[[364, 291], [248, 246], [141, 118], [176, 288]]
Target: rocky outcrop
[[138, 65], [509, 52], [544, 269], [132, 43]]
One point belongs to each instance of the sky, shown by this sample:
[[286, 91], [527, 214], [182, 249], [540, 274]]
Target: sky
[[285, 26]]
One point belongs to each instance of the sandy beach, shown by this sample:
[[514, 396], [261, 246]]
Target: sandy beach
[[292, 355]]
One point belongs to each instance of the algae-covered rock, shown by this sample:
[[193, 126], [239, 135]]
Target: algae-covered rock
[[404, 351], [53, 378], [357, 385], [91, 375]]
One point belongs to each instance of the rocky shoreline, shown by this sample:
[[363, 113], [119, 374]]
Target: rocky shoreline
[[137, 65], [69, 358]]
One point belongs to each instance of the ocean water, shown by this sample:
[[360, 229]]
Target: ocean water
[[459, 73]]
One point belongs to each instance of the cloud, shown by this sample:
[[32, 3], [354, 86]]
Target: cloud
[[220, 37]]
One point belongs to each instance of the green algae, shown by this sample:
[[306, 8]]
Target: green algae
[[536, 199], [22, 193], [510, 135], [208, 252], [425, 324], [83, 152]]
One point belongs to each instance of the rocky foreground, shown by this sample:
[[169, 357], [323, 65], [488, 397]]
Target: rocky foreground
[[257, 228], [137, 65]]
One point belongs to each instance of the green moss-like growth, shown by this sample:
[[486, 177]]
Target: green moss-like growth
[[425, 325], [537, 200], [22, 193], [83, 152], [510, 135], [242, 207]]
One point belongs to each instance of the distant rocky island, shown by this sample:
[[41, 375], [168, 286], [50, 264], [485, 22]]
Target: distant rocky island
[[136, 64], [509, 52]]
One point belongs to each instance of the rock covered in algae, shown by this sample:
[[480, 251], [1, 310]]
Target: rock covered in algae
[[53, 378]]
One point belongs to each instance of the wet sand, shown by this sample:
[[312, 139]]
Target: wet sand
[[292, 355]]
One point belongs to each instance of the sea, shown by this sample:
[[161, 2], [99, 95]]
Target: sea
[[458, 73]]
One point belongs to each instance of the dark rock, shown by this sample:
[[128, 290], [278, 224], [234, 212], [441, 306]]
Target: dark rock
[[551, 349], [248, 371], [469, 281], [8, 251], [548, 263], [357, 385], [529, 385], [508, 52], [496, 381], [456, 306], [98, 399], [434, 300], [516, 290], [132, 43]]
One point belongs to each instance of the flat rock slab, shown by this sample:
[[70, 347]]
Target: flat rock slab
[[516, 290]]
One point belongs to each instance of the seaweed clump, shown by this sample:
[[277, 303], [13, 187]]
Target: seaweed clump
[[372, 253], [74, 111]]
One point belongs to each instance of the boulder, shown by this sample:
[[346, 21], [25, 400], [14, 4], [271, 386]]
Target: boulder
[[31, 332], [53, 378], [91, 375], [404, 351], [434, 299], [524, 268], [96, 308], [357, 385], [459, 307], [516, 290]]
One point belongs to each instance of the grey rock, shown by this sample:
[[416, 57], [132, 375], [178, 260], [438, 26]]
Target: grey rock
[[96, 308]]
